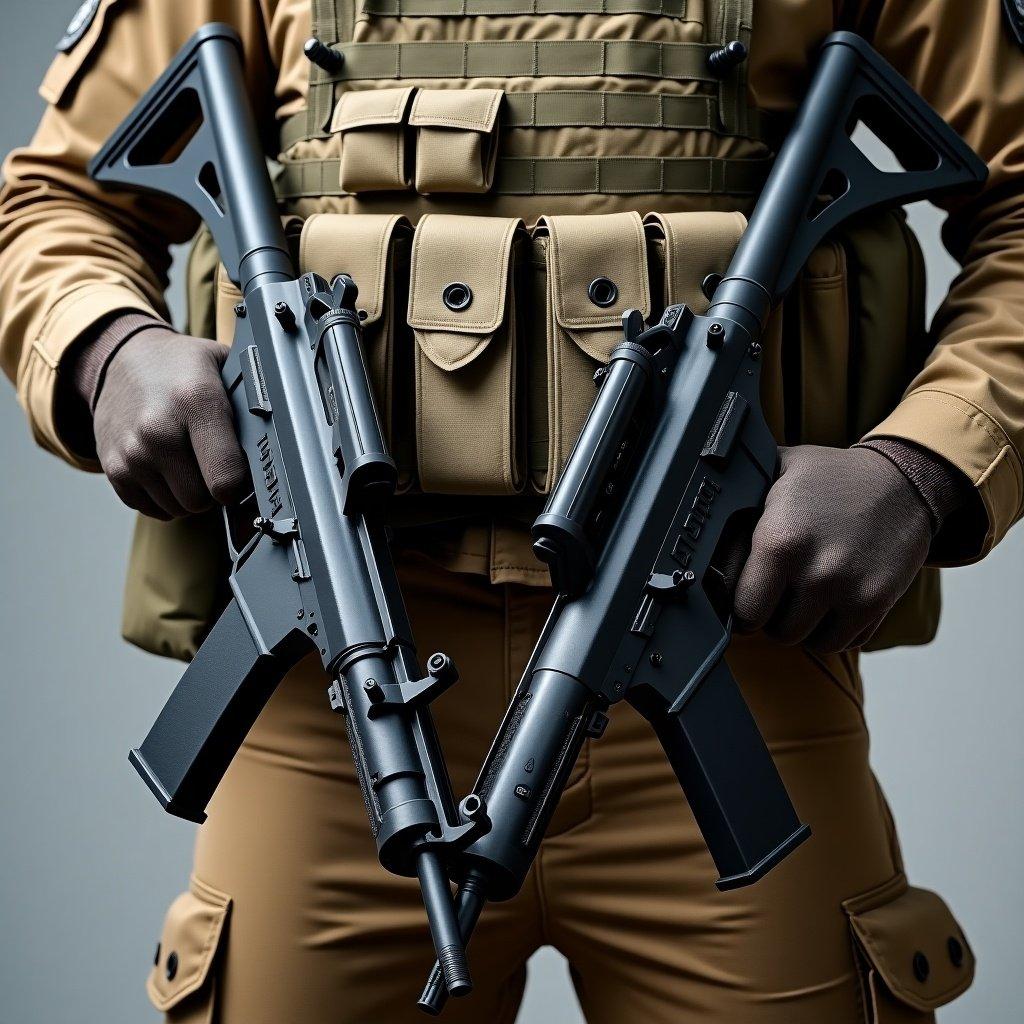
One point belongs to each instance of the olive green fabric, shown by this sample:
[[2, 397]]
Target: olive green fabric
[[524, 176], [507, 8], [568, 108]]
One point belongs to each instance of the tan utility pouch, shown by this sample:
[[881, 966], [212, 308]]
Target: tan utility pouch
[[692, 247], [595, 268], [375, 156], [462, 310], [182, 983], [456, 139], [374, 249], [912, 955]]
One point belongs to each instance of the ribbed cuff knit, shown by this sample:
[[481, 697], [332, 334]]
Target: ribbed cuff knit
[[91, 362], [942, 487]]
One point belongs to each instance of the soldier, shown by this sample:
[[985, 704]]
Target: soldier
[[610, 110]]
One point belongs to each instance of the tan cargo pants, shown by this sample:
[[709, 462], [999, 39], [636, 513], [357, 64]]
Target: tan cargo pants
[[289, 919]]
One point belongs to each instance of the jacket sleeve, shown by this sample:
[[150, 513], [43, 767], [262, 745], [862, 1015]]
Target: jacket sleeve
[[71, 253], [967, 405]]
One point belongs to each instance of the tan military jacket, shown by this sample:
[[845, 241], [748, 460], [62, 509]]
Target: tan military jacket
[[71, 253]]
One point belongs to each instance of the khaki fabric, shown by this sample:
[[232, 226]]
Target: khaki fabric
[[623, 885], [469, 438]]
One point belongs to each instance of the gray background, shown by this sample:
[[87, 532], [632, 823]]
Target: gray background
[[88, 864]]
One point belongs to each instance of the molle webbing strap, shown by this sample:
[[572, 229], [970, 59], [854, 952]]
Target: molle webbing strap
[[331, 22], [578, 109], [611, 175], [560, 58], [503, 8], [735, 22]]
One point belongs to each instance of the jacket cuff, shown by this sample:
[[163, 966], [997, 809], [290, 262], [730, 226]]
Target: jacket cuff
[[943, 489], [74, 315], [971, 441]]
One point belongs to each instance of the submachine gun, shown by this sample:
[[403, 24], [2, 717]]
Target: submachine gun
[[314, 574], [674, 447]]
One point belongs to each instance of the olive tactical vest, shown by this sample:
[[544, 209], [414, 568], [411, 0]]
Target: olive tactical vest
[[503, 178]]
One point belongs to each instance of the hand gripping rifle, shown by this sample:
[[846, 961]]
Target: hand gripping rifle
[[677, 430], [315, 574]]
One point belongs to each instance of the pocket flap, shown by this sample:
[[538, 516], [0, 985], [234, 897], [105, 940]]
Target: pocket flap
[[581, 251], [696, 245], [910, 937], [474, 253], [370, 107], [356, 244], [191, 935], [473, 109]]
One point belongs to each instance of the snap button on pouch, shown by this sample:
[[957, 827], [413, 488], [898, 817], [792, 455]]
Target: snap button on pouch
[[172, 966], [603, 292], [710, 285], [457, 296], [956, 951]]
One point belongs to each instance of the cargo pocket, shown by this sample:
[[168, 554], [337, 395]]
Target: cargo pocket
[[182, 983], [456, 139], [911, 954], [373, 249], [375, 156], [462, 311], [596, 269]]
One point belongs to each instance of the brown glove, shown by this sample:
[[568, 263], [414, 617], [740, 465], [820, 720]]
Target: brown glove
[[161, 420], [843, 534]]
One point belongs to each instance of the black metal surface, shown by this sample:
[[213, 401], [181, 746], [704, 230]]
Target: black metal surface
[[316, 573], [635, 620]]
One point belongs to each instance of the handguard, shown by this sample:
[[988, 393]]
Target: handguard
[[313, 573], [674, 447]]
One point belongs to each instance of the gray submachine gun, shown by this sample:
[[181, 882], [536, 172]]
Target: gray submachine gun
[[314, 573], [674, 448]]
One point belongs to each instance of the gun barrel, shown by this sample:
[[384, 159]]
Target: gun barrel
[[444, 925], [470, 902]]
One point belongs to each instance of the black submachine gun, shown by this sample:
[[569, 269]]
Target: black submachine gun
[[314, 574], [674, 447]]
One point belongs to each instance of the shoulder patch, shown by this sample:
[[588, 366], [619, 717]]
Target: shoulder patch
[[80, 23], [1014, 10]]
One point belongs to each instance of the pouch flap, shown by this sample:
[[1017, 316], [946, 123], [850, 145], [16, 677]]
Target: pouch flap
[[474, 252], [910, 937], [473, 109], [696, 245], [370, 107], [192, 932], [582, 249], [356, 244]]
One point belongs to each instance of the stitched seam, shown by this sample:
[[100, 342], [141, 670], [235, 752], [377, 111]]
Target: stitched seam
[[45, 356], [979, 416]]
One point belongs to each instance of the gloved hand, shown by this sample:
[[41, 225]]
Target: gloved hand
[[161, 419], [843, 534]]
